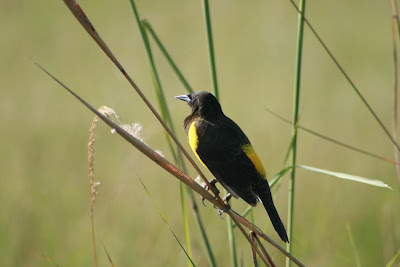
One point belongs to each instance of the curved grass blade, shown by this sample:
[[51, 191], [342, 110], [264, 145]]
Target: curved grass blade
[[166, 222], [156, 79], [346, 176], [147, 26]]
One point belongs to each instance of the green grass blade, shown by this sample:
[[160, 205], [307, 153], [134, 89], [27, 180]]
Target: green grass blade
[[166, 222], [291, 144], [207, 244], [278, 176], [232, 242], [393, 260], [299, 50], [211, 48], [185, 218], [346, 176], [353, 246], [147, 26]]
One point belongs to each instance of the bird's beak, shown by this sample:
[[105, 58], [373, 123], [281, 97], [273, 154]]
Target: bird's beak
[[183, 98]]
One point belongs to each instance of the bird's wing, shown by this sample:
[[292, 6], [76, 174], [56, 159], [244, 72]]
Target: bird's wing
[[227, 153]]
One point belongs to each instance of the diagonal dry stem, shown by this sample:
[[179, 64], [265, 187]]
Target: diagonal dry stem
[[263, 250], [87, 25]]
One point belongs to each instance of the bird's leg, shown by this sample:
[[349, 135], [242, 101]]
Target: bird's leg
[[227, 198], [228, 207], [213, 189]]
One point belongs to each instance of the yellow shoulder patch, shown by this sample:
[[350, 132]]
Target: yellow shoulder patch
[[249, 150], [194, 140]]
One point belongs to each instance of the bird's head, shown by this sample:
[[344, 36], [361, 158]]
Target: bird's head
[[203, 104]]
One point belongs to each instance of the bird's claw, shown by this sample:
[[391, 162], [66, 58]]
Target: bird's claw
[[220, 212], [213, 189]]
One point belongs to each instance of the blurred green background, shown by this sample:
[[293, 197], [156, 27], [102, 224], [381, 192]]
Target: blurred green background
[[44, 185]]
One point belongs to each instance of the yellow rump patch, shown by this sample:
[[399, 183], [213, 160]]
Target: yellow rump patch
[[194, 140], [249, 150]]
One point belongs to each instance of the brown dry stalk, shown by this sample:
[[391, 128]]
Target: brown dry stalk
[[263, 250], [92, 187], [92, 184], [253, 252]]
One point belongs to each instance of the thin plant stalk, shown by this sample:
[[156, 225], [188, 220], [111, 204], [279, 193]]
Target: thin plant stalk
[[353, 246], [232, 242], [147, 26], [253, 236], [347, 77], [395, 32], [176, 172], [253, 251], [166, 222], [108, 256], [211, 48], [92, 193], [263, 250], [300, 33], [327, 138]]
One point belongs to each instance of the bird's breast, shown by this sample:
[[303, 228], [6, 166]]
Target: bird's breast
[[194, 140]]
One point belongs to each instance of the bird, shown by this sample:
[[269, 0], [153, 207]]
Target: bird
[[223, 148]]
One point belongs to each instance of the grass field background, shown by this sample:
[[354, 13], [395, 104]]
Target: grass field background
[[44, 186]]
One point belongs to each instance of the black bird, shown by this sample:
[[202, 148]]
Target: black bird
[[225, 150]]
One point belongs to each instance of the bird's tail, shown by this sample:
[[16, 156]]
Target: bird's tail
[[264, 193]]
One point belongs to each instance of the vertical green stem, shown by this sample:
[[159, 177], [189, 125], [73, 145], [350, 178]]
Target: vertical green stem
[[232, 242], [300, 31], [211, 48]]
